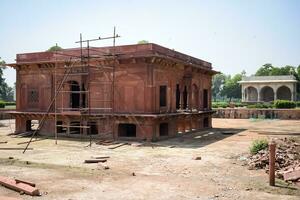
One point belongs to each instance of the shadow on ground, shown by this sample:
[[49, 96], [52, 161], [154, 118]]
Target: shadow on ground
[[200, 139]]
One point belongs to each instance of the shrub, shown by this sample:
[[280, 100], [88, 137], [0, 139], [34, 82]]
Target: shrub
[[284, 104], [220, 104], [258, 145], [240, 104], [10, 103], [260, 105], [298, 104], [2, 104]]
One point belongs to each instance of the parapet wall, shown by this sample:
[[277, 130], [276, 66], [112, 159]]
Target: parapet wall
[[244, 113]]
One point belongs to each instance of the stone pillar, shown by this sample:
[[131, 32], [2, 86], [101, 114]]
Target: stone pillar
[[258, 95], [243, 93], [188, 100], [181, 100], [293, 93], [275, 95]]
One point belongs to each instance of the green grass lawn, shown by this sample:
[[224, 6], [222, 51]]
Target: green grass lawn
[[10, 107]]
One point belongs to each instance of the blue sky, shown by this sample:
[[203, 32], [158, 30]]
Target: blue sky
[[233, 35]]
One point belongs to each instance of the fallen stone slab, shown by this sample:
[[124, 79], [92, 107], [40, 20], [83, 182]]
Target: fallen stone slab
[[95, 161], [292, 175], [8, 198], [19, 186]]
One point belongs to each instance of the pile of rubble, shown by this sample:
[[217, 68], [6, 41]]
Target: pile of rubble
[[287, 164]]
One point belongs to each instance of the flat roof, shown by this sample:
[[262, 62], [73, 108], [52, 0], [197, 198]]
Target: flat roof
[[268, 79], [149, 49]]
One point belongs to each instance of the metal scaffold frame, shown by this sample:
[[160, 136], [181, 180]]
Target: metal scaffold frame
[[85, 65]]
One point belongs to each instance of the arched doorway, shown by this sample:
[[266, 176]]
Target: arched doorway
[[195, 96], [267, 94], [185, 98], [74, 94], [251, 94], [284, 93], [177, 96]]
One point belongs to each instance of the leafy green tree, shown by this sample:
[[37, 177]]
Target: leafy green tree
[[265, 70], [232, 88], [143, 42], [6, 92], [54, 48], [218, 82]]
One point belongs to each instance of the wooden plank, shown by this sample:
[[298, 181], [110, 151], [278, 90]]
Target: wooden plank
[[14, 148], [3, 142], [95, 161], [19, 187], [100, 157], [117, 146], [26, 182]]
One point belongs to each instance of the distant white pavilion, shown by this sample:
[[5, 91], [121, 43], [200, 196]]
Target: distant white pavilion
[[268, 88]]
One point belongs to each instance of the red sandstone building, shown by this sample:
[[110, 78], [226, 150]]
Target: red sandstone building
[[142, 91]]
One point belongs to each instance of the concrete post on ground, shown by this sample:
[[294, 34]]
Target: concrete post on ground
[[272, 148]]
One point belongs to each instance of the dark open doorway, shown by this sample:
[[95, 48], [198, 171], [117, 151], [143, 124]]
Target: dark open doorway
[[59, 127], [162, 95], [32, 125], [93, 128], [177, 96], [75, 127], [163, 129], [205, 122], [205, 98], [185, 96], [127, 130], [74, 94]]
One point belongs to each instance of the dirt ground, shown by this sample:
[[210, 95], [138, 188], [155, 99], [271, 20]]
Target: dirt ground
[[164, 170]]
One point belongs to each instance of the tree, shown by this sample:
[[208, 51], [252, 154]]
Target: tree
[[54, 48], [143, 42], [232, 88], [265, 70], [6, 92], [218, 82]]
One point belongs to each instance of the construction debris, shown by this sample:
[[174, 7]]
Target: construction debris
[[19, 186], [100, 157], [106, 142], [3, 142], [8, 198], [292, 175], [26, 182], [197, 158], [114, 147], [287, 160], [95, 160]]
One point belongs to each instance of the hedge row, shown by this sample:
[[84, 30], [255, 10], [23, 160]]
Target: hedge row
[[3, 104], [285, 104], [276, 104], [260, 105], [220, 104]]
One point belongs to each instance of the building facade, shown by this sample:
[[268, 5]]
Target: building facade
[[143, 91], [268, 88]]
